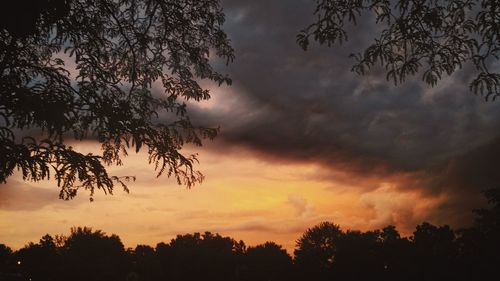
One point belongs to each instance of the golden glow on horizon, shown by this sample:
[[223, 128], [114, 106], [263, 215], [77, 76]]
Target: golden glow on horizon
[[242, 197]]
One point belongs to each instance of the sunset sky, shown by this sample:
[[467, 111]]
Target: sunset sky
[[303, 140]]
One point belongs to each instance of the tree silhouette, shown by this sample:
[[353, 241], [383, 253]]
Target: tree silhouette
[[435, 252], [267, 262], [145, 263], [114, 71], [37, 260], [6, 263], [92, 255], [198, 256], [316, 251], [431, 37], [396, 254], [355, 250], [488, 219], [478, 245]]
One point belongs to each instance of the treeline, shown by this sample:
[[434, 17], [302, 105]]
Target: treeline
[[324, 252]]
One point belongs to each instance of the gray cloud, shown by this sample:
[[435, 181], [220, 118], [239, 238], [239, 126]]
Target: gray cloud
[[309, 107]]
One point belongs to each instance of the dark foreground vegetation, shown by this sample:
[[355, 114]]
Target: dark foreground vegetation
[[324, 252]]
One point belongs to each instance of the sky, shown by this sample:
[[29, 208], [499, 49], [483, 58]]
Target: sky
[[303, 140]]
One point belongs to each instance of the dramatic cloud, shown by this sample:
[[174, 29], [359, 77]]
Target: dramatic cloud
[[291, 105], [303, 140]]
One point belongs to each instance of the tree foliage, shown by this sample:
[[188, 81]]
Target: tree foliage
[[201, 256], [317, 250], [267, 262], [103, 254], [117, 71], [431, 37]]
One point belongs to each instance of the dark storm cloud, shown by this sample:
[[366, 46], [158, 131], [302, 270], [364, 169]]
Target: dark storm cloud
[[308, 106], [462, 178]]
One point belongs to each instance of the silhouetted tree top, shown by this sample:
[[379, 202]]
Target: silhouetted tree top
[[431, 37], [268, 261], [87, 69], [5, 253], [390, 234], [488, 219], [206, 243], [479, 244], [428, 234], [93, 255], [318, 246], [199, 256], [83, 238], [267, 249]]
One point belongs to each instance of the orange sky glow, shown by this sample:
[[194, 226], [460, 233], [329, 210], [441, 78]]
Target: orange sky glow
[[243, 197]]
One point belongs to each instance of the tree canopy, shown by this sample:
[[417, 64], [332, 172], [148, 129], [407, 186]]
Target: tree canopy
[[115, 71], [433, 38]]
